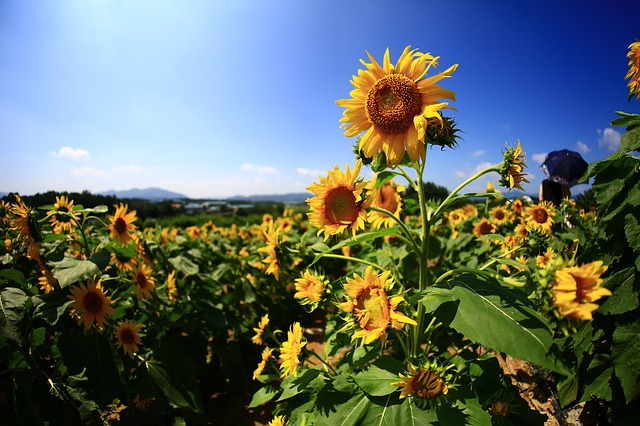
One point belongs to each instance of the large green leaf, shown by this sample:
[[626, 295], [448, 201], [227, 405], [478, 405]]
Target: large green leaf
[[12, 302], [377, 379], [71, 270], [263, 395], [497, 317], [184, 265], [51, 306], [625, 292], [625, 351]]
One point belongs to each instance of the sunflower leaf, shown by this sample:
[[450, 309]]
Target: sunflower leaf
[[70, 270], [12, 302]]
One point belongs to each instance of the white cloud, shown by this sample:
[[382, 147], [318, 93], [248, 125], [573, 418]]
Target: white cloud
[[460, 174], [478, 153], [87, 172], [539, 158], [74, 154], [132, 169], [258, 168], [609, 138], [482, 166], [582, 147], [310, 172]]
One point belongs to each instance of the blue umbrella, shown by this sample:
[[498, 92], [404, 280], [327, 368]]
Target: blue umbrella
[[565, 166]]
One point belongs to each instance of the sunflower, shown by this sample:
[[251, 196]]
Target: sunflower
[[121, 224], [90, 303], [371, 307], [387, 197], [128, 336], [634, 69], [278, 421], [5, 209], [26, 222], [393, 105], [122, 263], [483, 227], [513, 167], [422, 382], [339, 202], [517, 206], [540, 216], [547, 257], [141, 402], [500, 216], [309, 288], [576, 288], [499, 408], [291, 350], [46, 281], [144, 281], [264, 321], [62, 217], [172, 290], [266, 355]]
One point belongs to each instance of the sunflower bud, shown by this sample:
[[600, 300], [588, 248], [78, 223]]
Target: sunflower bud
[[442, 132]]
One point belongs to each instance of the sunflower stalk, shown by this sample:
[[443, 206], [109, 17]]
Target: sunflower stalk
[[409, 240]]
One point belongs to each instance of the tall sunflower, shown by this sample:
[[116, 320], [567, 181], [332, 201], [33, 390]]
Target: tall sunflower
[[387, 197], [121, 225], [512, 172], [61, 218], [633, 75], [144, 281], [393, 104], [576, 288], [372, 308], [339, 202], [291, 350], [25, 221], [128, 336], [90, 303]]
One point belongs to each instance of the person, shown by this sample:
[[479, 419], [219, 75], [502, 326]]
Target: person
[[554, 192]]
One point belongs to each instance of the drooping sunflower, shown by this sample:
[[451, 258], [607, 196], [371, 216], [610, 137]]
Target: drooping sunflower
[[90, 303], [291, 350], [339, 202], [128, 336], [576, 288], [422, 382], [61, 218], [540, 216], [633, 75], [266, 355], [144, 281], [271, 234], [141, 402], [172, 290], [309, 288], [264, 321], [392, 104], [25, 221], [512, 171], [387, 197], [121, 225], [372, 308], [46, 281]]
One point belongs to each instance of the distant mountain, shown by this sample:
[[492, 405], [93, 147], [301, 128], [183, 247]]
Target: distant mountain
[[153, 194], [292, 198]]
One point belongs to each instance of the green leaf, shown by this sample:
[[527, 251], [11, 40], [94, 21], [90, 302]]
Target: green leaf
[[263, 395], [71, 270], [625, 292], [632, 231], [377, 380], [293, 386], [360, 238], [12, 310], [625, 351], [184, 265], [605, 192], [51, 306], [497, 317], [11, 275]]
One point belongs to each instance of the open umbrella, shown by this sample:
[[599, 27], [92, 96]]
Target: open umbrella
[[564, 166]]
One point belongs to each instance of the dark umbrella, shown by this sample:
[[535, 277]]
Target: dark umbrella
[[564, 166]]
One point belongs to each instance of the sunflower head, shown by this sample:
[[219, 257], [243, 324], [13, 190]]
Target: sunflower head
[[127, 335], [512, 171], [393, 103], [144, 281], [291, 351], [425, 383], [441, 131], [310, 288], [540, 217], [633, 75], [388, 198], [90, 304], [121, 224], [576, 288], [62, 215]]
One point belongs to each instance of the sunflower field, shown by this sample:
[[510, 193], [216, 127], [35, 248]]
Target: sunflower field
[[368, 306]]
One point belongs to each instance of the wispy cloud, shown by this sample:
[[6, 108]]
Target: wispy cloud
[[478, 153], [609, 138], [258, 168], [74, 154], [582, 147], [309, 172], [87, 172], [539, 158], [132, 169]]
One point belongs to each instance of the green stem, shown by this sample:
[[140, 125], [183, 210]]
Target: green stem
[[326, 364], [410, 240], [354, 259]]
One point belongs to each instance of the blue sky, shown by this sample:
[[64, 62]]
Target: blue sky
[[215, 99]]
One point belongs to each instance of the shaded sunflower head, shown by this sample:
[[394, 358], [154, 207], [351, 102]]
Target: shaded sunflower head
[[393, 103], [266, 356], [373, 310], [90, 304], [425, 383], [144, 281], [387, 197], [291, 351], [25, 221], [512, 172], [46, 281], [340, 202], [62, 216], [442, 132], [483, 227], [310, 288], [127, 335], [633, 75], [141, 402], [257, 338], [575, 288], [121, 225], [172, 289]]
